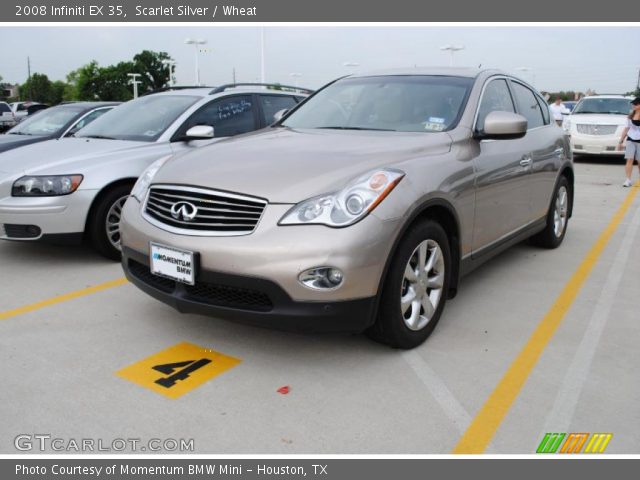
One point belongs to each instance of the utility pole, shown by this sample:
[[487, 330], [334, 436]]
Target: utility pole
[[135, 82], [234, 75], [29, 77]]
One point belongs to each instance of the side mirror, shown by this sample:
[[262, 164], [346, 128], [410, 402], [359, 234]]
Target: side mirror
[[503, 126], [279, 114], [199, 132]]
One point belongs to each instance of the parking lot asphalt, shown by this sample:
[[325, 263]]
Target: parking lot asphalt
[[63, 357]]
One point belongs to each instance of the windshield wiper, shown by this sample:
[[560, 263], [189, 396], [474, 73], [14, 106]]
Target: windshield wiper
[[17, 133], [360, 128], [101, 137]]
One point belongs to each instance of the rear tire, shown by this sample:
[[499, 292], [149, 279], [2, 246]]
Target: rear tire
[[103, 225], [557, 217], [415, 288]]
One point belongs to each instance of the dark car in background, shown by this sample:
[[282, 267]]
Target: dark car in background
[[55, 122]]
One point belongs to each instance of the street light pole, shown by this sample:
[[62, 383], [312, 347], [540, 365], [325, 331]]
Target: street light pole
[[196, 43], [135, 82], [452, 49], [171, 65]]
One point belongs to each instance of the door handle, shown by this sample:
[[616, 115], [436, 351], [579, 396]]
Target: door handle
[[559, 152], [526, 161]]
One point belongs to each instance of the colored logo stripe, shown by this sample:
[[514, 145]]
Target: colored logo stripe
[[550, 443], [598, 443], [574, 442]]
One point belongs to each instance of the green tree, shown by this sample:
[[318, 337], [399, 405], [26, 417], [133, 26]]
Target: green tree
[[37, 88], [153, 69]]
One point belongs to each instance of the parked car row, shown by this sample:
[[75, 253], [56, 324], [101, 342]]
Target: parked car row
[[359, 209]]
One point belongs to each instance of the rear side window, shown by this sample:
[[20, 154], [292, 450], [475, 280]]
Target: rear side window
[[496, 98], [4, 108], [528, 105], [545, 110], [228, 116], [272, 104]]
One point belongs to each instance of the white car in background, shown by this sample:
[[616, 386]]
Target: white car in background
[[7, 118], [75, 187], [596, 123]]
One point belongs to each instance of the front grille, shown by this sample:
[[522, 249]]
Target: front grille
[[21, 231], [208, 293], [216, 213], [226, 296], [596, 129]]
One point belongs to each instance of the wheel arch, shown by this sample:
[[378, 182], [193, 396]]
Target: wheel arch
[[442, 211], [103, 191]]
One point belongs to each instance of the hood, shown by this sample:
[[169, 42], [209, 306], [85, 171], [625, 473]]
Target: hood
[[288, 166], [597, 119], [9, 142], [53, 156]]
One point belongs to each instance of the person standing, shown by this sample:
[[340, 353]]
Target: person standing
[[558, 109], [631, 134]]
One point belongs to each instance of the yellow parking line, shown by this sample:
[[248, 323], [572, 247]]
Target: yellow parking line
[[62, 298], [485, 424]]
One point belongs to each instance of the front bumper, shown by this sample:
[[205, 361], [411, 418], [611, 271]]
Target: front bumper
[[61, 215], [249, 300], [595, 144]]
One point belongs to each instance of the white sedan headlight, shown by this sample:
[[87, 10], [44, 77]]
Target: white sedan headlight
[[347, 206], [46, 186], [144, 182]]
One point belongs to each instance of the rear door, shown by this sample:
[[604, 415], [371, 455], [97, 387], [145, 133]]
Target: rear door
[[503, 174], [544, 147]]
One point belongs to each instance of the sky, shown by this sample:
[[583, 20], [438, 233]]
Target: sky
[[554, 58]]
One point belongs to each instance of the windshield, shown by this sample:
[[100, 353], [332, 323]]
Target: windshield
[[613, 106], [411, 103], [143, 119], [47, 122]]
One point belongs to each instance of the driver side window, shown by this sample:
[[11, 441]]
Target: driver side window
[[496, 97], [228, 116]]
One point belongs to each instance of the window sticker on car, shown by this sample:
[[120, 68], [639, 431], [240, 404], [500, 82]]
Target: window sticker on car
[[436, 127], [436, 120]]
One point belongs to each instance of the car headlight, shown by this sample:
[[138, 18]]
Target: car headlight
[[144, 182], [46, 186], [347, 206], [566, 125]]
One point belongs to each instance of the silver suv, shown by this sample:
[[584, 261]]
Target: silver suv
[[73, 187], [359, 210]]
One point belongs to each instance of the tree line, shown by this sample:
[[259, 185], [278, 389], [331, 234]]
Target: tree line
[[94, 82]]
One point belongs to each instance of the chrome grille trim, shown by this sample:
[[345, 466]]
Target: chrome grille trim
[[590, 129], [219, 213]]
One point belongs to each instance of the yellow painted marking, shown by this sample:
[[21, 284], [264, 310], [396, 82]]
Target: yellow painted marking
[[62, 298], [178, 369], [485, 424], [606, 442]]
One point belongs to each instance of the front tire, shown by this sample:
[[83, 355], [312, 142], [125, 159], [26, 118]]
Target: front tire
[[103, 225], [415, 289], [557, 217]]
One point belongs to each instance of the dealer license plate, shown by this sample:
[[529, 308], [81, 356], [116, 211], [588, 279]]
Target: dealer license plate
[[172, 263]]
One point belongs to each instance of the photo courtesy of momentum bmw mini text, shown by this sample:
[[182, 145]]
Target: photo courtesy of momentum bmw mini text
[[334, 240]]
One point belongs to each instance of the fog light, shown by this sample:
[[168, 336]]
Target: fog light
[[321, 278]]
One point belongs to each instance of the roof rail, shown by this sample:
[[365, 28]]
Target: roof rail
[[174, 87], [271, 86]]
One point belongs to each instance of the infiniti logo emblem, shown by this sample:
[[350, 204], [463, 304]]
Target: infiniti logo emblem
[[184, 211]]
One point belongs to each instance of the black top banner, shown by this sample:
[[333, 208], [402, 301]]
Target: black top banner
[[212, 11]]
